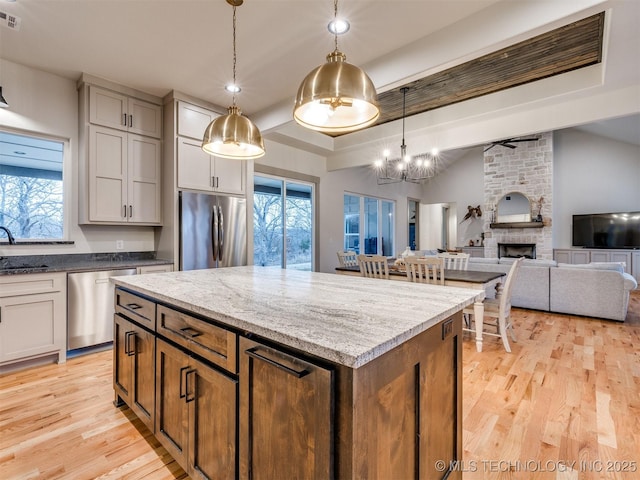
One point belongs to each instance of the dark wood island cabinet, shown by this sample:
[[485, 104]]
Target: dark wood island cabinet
[[265, 374]]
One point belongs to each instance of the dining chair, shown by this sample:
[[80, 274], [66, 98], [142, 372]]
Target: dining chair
[[425, 270], [498, 309], [347, 258], [374, 266], [455, 260]]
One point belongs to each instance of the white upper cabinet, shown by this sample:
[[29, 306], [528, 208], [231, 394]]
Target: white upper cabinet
[[199, 171], [120, 164], [193, 120], [115, 110], [196, 169], [124, 177]]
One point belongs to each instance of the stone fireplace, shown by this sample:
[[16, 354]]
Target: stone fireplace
[[515, 250], [527, 169]]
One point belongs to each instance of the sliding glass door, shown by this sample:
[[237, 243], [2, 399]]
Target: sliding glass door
[[283, 221]]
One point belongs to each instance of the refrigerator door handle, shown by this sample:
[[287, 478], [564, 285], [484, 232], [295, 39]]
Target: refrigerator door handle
[[220, 234], [214, 232]]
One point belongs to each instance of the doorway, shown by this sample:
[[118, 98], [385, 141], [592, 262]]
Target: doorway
[[413, 220], [283, 222]]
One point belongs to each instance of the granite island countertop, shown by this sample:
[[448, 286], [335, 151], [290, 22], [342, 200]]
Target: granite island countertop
[[344, 319]]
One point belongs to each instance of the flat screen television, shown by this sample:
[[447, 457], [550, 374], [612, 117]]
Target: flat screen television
[[607, 230]]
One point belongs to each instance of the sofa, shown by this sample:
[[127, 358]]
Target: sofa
[[598, 289]]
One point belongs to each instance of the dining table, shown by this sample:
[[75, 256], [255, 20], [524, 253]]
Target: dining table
[[473, 279]]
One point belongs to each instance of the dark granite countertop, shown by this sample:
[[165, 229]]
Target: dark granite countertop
[[79, 262]]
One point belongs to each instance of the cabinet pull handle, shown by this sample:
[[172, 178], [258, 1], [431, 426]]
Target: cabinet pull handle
[[124, 119], [191, 332], [0, 314], [252, 352], [213, 182], [130, 211], [217, 182], [130, 120], [124, 211], [190, 397], [183, 372], [133, 306], [127, 341]]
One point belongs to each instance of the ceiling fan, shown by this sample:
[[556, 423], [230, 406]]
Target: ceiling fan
[[508, 142]]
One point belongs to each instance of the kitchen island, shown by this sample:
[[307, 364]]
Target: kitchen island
[[268, 373]]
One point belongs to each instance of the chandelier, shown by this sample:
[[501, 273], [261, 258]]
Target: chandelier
[[405, 168]]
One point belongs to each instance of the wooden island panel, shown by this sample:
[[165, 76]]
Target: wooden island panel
[[292, 378]]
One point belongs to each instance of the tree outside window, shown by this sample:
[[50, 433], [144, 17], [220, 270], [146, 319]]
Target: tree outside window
[[31, 191]]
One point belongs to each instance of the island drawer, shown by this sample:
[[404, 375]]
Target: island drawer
[[136, 308], [211, 342]]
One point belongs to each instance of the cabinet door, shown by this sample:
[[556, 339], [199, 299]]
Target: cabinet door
[[623, 257], [122, 372], [144, 118], [143, 349], [285, 415], [107, 175], [194, 166], [229, 175], [562, 256], [193, 120], [172, 414], [580, 256], [107, 108], [600, 256], [143, 179], [28, 326], [211, 396]]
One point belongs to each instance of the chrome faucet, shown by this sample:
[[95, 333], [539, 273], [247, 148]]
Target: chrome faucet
[[12, 241]]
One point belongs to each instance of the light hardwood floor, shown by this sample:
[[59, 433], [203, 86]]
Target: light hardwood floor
[[567, 396]]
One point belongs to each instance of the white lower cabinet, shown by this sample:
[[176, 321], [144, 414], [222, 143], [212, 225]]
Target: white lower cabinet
[[583, 255], [32, 317]]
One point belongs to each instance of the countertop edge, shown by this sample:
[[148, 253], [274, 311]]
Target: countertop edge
[[318, 350]]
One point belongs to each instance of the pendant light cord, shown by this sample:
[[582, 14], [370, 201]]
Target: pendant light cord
[[335, 19], [234, 55], [403, 147]]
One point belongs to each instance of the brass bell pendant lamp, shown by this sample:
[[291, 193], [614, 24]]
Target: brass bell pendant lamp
[[233, 135], [336, 97]]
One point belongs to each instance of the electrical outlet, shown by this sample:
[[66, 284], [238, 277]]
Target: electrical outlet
[[119, 244]]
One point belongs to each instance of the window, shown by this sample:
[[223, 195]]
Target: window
[[368, 222], [31, 192], [282, 223]]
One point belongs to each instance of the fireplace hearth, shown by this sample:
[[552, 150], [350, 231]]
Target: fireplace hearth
[[515, 250]]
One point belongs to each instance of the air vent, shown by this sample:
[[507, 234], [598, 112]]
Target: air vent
[[10, 21]]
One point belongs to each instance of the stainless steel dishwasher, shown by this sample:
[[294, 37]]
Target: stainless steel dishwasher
[[90, 307]]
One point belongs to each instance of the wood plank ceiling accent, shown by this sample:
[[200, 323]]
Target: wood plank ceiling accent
[[573, 46]]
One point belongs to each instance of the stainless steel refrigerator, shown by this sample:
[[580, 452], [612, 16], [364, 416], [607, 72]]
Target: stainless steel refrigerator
[[213, 231]]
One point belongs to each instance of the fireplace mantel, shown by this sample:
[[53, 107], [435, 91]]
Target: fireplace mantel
[[517, 225]]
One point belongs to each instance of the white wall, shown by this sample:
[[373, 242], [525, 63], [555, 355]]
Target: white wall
[[47, 104], [461, 184], [592, 174]]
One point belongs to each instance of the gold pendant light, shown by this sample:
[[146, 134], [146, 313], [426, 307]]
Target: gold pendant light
[[336, 97], [233, 135]]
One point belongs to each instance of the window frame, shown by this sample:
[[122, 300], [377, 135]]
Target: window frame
[[362, 222], [67, 176]]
